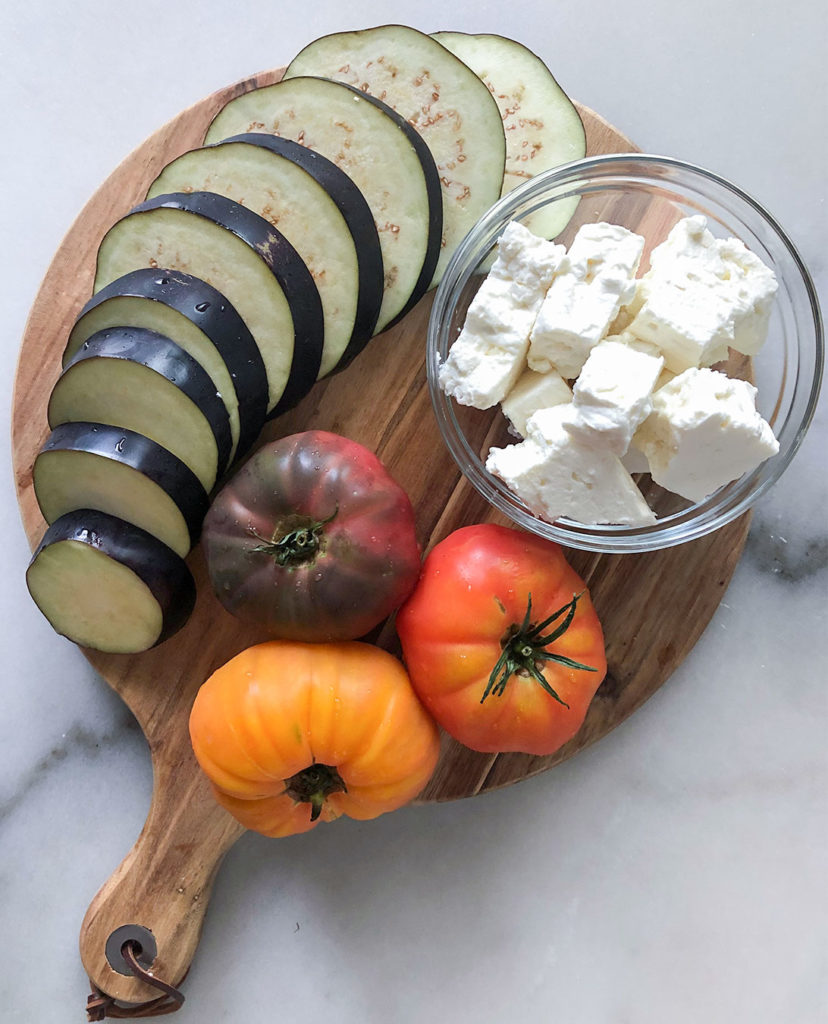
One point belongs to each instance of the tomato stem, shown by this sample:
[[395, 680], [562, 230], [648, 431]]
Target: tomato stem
[[313, 785], [300, 544], [525, 650]]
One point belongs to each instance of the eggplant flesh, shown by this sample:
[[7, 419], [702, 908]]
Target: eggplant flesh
[[354, 207], [135, 378], [269, 177], [542, 126], [243, 257], [442, 98], [106, 584], [199, 319], [115, 470], [378, 150]]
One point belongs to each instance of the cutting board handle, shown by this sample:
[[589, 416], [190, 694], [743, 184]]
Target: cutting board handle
[[158, 895]]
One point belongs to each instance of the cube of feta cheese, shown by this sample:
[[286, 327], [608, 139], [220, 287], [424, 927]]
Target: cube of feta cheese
[[556, 475], [594, 281], [703, 432], [701, 295], [489, 355], [534, 391], [611, 397], [754, 286]]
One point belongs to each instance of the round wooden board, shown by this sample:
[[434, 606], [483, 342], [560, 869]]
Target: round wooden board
[[654, 607]]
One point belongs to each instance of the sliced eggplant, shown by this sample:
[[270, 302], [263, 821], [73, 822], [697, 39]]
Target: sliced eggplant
[[244, 258], [199, 319], [543, 128], [109, 585], [95, 465], [135, 378], [438, 95], [382, 154], [316, 207]]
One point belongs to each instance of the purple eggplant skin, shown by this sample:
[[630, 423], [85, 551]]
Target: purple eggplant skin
[[164, 357], [211, 312], [287, 267], [143, 455], [159, 567], [434, 191], [357, 215]]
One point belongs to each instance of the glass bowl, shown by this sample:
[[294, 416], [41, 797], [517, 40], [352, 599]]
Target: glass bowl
[[647, 194]]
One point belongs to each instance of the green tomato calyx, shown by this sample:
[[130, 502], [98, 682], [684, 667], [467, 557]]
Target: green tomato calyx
[[300, 544], [313, 785], [525, 650]]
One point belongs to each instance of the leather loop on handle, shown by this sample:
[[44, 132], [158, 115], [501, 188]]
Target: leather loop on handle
[[99, 1005]]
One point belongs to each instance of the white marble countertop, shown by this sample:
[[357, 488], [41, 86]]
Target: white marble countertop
[[676, 872]]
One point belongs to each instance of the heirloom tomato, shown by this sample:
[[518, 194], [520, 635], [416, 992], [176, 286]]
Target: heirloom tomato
[[502, 642], [312, 539], [291, 734]]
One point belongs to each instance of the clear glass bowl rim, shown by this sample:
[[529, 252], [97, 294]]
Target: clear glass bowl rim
[[721, 508]]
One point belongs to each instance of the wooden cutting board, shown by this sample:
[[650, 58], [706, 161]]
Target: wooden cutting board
[[654, 607]]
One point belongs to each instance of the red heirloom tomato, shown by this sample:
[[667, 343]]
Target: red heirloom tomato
[[312, 539], [501, 641], [291, 734]]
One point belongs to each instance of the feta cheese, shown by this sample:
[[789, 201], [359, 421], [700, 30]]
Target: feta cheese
[[700, 296], [644, 394], [556, 475], [489, 355], [703, 432], [611, 397], [534, 391], [754, 286], [594, 281]]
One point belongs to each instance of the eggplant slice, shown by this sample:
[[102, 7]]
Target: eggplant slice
[[135, 378], [95, 465], [379, 151], [244, 258], [201, 320], [438, 95], [109, 585], [316, 207], [543, 129]]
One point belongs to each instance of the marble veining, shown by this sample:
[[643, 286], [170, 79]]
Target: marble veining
[[79, 741], [790, 560]]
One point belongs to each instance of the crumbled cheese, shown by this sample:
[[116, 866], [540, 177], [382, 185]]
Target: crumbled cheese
[[596, 278], [556, 475], [488, 357], [534, 391], [701, 295], [611, 397], [703, 432]]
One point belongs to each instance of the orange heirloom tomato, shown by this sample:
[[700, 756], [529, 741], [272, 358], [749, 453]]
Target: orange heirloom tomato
[[292, 733], [502, 642]]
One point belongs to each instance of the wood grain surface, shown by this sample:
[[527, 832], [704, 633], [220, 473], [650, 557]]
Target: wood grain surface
[[654, 607]]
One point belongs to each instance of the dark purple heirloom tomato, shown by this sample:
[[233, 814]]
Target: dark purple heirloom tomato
[[312, 539]]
